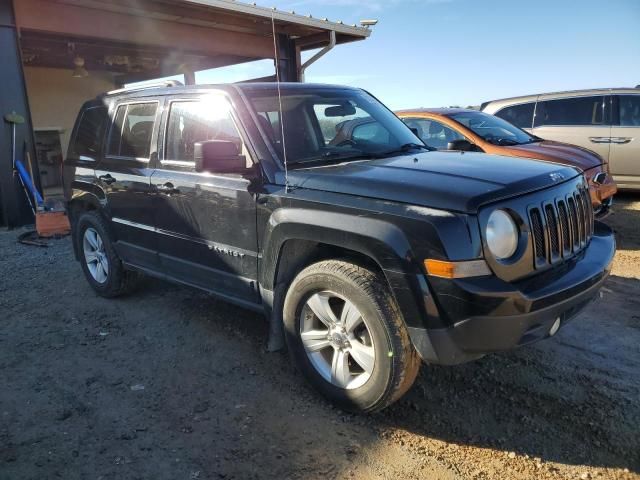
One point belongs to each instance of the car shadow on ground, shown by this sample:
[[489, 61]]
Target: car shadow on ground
[[625, 219]]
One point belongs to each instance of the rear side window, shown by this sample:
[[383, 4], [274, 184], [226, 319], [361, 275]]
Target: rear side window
[[132, 130], [629, 110], [86, 145], [571, 111], [191, 122], [518, 115]]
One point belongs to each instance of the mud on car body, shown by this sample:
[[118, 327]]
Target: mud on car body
[[369, 253]]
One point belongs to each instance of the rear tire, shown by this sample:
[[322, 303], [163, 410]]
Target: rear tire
[[345, 333], [101, 265]]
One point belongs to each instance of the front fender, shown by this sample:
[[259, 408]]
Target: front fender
[[368, 234], [380, 240]]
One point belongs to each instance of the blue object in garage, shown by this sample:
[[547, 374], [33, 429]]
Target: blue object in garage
[[26, 179]]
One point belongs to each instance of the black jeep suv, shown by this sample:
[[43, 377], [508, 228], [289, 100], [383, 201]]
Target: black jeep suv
[[368, 254]]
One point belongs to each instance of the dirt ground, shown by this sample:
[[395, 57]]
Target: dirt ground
[[171, 384]]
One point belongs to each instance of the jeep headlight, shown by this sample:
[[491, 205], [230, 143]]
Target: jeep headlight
[[502, 235]]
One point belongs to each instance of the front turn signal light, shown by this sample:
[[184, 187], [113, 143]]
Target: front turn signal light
[[445, 269]]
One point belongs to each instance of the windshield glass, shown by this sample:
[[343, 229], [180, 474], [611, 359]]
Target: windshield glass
[[493, 129], [330, 125]]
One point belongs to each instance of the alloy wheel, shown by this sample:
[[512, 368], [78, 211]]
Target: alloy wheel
[[337, 340], [95, 255]]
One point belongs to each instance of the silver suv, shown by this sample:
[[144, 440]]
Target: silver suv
[[606, 121]]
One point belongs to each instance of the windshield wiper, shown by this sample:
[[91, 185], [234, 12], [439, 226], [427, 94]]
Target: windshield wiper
[[330, 158], [406, 148], [505, 142]]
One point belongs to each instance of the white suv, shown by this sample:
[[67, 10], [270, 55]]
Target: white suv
[[606, 121]]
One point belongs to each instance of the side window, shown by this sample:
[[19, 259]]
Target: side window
[[629, 110], [191, 122], [88, 140], [131, 131], [432, 132], [518, 115], [571, 111]]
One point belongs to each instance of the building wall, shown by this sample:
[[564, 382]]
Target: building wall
[[55, 97]]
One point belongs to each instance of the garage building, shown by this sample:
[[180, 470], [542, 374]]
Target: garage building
[[58, 53]]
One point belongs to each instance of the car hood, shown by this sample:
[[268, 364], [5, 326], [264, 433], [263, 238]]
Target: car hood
[[456, 181], [562, 153]]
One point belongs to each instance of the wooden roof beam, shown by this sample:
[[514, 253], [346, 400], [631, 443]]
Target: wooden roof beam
[[64, 19]]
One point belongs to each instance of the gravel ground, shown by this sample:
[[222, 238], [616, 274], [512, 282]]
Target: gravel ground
[[171, 384]]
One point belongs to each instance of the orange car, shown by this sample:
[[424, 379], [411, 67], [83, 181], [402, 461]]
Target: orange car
[[471, 130]]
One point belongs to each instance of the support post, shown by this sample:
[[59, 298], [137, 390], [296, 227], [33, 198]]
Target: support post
[[189, 77], [288, 58]]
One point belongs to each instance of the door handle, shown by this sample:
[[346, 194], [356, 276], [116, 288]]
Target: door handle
[[167, 188], [600, 139], [620, 140], [108, 179]]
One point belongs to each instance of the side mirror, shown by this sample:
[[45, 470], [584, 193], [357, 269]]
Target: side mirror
[[219, 156], [462, 145]]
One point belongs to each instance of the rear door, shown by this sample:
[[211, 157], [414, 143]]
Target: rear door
[[125, 175], [582, 121], [206, 223], [624, 163]]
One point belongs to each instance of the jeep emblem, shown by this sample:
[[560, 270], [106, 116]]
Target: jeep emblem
[[556, 177]]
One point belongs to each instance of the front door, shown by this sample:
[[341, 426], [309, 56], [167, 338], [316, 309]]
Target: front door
[[124, 175], [624, 162], [206, 223], [581, 121]]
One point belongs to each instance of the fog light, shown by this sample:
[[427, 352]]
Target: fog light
[[555, 327]]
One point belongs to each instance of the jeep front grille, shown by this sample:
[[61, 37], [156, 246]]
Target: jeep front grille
[[561, 227]]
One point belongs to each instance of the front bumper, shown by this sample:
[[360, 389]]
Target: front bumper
[[518, 313]]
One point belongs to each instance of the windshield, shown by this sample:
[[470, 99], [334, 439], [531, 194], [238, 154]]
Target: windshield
[[330, 125], [493, 129]]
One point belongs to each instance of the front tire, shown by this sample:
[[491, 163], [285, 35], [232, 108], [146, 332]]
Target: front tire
[[345, 333], [101, 265]]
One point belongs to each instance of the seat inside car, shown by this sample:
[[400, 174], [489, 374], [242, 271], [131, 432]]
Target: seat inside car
[[136, 143]]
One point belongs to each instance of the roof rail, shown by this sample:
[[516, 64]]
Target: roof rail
[[166, 83]]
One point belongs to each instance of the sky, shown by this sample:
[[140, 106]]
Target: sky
[[434, 53]]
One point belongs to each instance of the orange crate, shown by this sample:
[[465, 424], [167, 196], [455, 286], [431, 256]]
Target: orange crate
[[49, 224]]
